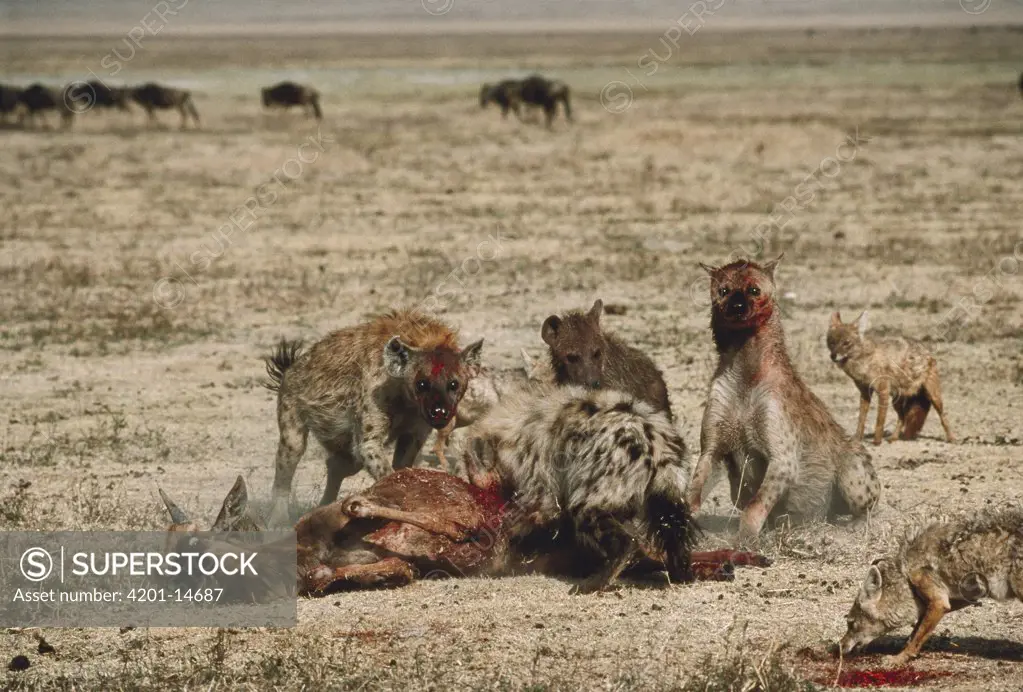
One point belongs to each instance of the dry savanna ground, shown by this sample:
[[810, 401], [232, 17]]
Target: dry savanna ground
[[133, 319]]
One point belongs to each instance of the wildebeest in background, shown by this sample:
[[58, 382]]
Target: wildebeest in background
[[546, 93], [9, 100], [84, 96], [1021, 83], [505, 93], [153, 96], [38, 98], [288, 94]]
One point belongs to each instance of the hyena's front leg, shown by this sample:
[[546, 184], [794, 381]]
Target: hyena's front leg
[[373, 444], [409, 446], [293, 436], [612, 541], [782, 466], [711, 451]]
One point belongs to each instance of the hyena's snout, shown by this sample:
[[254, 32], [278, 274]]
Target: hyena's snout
[[737, 305], [438, 411]]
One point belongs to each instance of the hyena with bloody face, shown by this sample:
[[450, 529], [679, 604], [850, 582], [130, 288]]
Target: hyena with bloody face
[[371, 394], [783, 451], [583, 354]]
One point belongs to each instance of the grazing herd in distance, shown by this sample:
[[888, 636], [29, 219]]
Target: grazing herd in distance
[[534, 90], [29, 106]]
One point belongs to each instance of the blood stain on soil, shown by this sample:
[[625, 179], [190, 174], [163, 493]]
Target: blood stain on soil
[[900, 677]]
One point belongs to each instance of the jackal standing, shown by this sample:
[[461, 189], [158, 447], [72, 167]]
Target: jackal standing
[[894, 366]]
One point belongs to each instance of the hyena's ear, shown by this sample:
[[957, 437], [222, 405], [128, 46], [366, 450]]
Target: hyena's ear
[[596, 311], [709, 269], [527, 362], [873, 583], [772, 265], [549, 330], [472, 355], [862, 323], [397, 356], [234, 506], [176, 515], [836, 319]]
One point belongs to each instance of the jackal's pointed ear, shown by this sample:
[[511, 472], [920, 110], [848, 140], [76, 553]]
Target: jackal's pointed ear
[[549, 330], [596, 311], [234, 506], [397, 355], [472, 356], [862, 323], [873, 583], [176, 515], [772, 265], [836, 319], [707, 268]]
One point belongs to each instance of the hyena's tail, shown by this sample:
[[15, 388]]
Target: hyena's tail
[[283, 357], [315, 102], [671, 529], [914, 413]]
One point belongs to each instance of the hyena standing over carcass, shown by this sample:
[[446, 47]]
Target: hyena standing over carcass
[[895, 367], [783, 451], [583, 354], [371, 394]]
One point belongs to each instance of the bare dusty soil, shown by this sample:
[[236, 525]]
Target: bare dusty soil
[[133, 316]]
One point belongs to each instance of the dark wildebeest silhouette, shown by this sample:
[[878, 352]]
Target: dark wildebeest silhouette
[[505, 93], [546, 93], [1021, 84], [38, 98], [153, 96], [83, 96], [9, 100], [288, 94]]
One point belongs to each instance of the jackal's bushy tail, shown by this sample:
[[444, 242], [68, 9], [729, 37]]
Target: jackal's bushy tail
[[283, 357], [914, 410]]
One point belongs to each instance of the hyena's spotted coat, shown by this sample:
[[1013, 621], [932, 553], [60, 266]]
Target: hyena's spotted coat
[[600, 465]]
